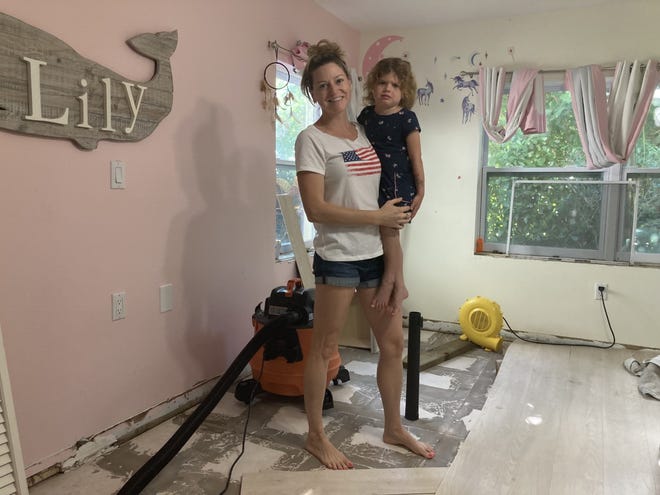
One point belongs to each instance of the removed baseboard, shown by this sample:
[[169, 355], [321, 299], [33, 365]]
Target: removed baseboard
[[437, 326], [89, 448]]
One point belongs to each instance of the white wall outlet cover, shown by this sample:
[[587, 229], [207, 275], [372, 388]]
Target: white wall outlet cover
[[166, 298]]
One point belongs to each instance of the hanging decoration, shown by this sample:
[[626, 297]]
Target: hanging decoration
[[299, 55], [271, 102]]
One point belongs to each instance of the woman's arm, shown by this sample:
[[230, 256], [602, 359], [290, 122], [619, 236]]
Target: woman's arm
[[318, 210], [414, 145]]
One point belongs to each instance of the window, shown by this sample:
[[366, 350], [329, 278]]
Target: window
[[562, 209], [296, 112]]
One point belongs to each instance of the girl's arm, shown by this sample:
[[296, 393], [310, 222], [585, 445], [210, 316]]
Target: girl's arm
[[318, 210], [414, 146]]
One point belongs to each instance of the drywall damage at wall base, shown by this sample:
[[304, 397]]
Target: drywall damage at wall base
[[91, 447]]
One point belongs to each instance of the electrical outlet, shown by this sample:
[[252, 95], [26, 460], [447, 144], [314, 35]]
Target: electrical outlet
[[118, 306], [166, 303], [597, 292]]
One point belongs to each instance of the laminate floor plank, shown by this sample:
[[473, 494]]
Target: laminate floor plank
[[577, 463], [399, 481], [504, 398], [534, 422], [561, 420], [650, 418], [627, 468]]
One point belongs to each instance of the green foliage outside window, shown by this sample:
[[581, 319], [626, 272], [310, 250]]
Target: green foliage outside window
[[558, 147], [647, 156], [295, 112], [568, 216]]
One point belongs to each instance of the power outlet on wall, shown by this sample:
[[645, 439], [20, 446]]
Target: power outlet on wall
[[598, 293], [118, 306]]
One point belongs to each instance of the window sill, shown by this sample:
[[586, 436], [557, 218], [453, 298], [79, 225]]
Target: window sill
[[291, 256], [496, 254], [284, 258]]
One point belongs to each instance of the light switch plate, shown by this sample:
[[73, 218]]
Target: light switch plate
[[117, 174]]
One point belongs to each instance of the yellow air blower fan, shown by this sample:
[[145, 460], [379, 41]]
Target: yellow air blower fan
[[481, 322]]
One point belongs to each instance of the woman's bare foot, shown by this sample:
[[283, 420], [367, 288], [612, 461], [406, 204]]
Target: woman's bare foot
[[383, 294], [405, 439], [326, 453]]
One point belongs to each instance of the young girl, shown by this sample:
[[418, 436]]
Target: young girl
[[393, 130]]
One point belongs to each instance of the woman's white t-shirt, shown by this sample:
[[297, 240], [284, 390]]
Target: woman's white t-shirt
[[351, 171]]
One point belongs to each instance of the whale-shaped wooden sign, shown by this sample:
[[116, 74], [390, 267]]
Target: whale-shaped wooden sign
[[48, 89]]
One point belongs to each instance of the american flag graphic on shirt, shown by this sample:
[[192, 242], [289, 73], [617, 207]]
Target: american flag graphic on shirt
[[362, 161]]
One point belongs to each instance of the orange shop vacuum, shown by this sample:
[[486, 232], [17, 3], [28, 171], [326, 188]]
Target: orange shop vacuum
[[278, 366]]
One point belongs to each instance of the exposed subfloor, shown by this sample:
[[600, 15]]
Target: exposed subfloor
[[451, 397]]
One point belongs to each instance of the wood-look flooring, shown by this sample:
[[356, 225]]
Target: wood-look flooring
[[558, 420], [417, 481], [562, 420]]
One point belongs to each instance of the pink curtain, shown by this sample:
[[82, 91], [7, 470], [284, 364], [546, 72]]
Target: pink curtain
[[525, 108], [610, 126]]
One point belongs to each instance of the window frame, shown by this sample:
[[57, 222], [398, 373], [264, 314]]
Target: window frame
[[612, 234], [283, 248]]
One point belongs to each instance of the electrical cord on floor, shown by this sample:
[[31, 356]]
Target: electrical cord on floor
[[245, 427], [609, 324]]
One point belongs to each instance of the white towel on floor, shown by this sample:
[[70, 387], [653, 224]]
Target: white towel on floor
[[649, 379]]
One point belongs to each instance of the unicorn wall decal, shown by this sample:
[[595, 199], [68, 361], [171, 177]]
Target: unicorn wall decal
[[424, 94], [468, 109], [469, 84]]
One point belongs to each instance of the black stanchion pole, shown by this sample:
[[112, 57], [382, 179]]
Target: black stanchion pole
[[412, 381]]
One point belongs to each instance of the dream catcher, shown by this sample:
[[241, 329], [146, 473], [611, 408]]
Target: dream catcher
[[271, 102], [276, 100]]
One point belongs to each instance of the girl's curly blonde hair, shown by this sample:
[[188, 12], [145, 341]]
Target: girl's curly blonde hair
[[324, 52], [403, 71]]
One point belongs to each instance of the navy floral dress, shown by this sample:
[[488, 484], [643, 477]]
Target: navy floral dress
[[387, 134]]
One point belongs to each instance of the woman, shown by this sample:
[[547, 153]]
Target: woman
[[338, 176]]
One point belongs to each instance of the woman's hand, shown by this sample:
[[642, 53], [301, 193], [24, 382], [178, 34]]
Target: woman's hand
[[394, 216]]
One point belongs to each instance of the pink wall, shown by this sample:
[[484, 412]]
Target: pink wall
[[197, 212]]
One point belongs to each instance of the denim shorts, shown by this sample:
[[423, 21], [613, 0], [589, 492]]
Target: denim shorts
[[361, 273]]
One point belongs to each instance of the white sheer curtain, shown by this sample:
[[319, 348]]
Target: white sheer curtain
[[356, 102], [525, 108], [610, 126]]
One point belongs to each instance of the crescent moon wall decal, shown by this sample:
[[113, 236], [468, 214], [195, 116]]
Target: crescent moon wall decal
[[375, 52]]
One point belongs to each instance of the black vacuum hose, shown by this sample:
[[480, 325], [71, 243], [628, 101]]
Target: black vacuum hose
[[153, 466]]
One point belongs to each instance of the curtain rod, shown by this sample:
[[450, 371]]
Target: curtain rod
[[507, 71], [552, 71], [274, 45]]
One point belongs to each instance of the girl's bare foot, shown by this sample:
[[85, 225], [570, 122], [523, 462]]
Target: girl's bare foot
[[399, 293], [405, 439], [383, 294], [326, 453]]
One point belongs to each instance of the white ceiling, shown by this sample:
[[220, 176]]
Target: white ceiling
[[372, 15]]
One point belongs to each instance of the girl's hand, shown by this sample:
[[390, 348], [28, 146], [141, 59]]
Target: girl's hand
[[394, 216]]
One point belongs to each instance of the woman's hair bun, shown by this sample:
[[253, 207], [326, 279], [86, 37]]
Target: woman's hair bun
[[325, 48]]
